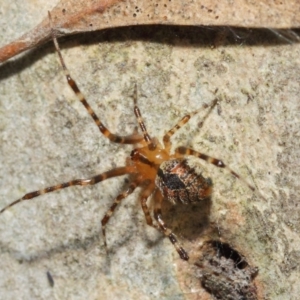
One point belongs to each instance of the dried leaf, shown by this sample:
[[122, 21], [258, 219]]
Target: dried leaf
[[72, 16]]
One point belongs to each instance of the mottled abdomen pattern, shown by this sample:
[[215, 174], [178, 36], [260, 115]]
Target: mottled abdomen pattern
[[178, 182]]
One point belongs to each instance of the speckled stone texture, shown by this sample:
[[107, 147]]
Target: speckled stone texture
[[46, 137]]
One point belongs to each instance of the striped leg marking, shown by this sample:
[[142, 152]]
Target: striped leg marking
[[217, 162], [133, 185], [168, 135], [167, 232], [182, 122], [82, 182], [147, 138], [144, 197], [130, 139]]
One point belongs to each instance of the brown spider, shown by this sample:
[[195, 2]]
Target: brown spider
[[151, 165]]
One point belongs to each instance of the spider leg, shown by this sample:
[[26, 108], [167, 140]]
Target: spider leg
[[138, 115], [130, 139], [133, 185], [167, 232], [83, 182], [182, 122], [167, 136], [182, 151], [144, 197]]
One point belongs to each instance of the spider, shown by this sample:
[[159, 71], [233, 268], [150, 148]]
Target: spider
[[151, 166]]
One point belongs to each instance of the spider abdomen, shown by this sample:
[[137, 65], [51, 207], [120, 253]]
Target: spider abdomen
[[178, 182]]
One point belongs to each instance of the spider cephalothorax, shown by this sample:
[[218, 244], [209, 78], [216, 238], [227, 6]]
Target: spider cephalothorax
[[160, 173]]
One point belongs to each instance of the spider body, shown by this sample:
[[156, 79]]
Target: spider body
[[151, 166], [178, 182]]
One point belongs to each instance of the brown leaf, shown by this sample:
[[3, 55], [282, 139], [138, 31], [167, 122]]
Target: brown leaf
[[72, 16]]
